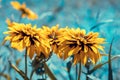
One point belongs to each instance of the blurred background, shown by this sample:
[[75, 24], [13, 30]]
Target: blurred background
[[101, 16]]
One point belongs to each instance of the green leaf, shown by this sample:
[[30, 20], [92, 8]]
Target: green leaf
[[18, 70], [110, 75], [101, 23], [68, 66], [48, 71], [101, 64], [80, 70], [92, 77], [104, 54]]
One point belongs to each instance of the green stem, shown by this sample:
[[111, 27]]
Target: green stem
[[18, 71], [79, 71], [32, 74], [110, 75], [25, 64], [76, 71], [48, 71], [69, 76], [87, 78], [45, 70]]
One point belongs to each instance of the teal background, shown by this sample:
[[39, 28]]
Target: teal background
[[101, 16]]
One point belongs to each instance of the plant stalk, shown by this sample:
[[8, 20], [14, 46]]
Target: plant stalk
[[76, 72], [110, 72], [88, 72], [79, 71], [26, 65], [18, 71], [48, 71], [32, 74]]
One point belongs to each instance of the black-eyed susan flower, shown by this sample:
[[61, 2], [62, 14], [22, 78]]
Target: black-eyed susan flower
[[26, 12], [23, 36], [52, 34], [81, 45]]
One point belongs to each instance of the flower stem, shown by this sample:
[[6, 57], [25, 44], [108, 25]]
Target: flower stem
[[32, 74], [88, 72], [25, 64], [79, 71], [76, 72], [48, 71], [18, 71]]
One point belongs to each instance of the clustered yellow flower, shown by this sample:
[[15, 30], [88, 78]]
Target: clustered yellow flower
[[65, 42], [81, 45], [23, 36], [53, 34], [26, 12]]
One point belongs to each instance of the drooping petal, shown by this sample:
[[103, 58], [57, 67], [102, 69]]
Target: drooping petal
[[30, 51]]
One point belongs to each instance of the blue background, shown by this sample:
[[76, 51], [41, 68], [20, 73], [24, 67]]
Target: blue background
[[85, 14]]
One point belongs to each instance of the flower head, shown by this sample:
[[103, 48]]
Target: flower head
[[23, 36], [52, 34], [26, 12], [81, 45]]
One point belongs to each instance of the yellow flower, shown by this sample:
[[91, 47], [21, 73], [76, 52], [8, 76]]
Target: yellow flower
[[26, 12], [81, 46], [52, 34], [23, 36]]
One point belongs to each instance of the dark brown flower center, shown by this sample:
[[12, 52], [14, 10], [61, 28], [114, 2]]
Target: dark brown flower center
[[31, 38]]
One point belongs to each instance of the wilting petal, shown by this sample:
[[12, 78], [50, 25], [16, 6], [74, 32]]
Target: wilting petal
[[83, 57], [76, 59], [66, 53], [91, 56], [30, 51]]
